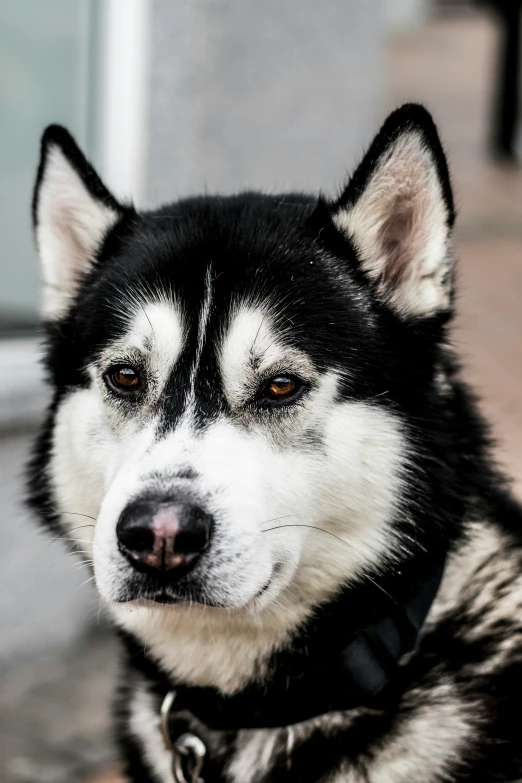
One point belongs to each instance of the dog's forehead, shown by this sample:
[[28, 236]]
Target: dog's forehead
[[255, 338], [156, 325], [245, 334], [235, 280], [250, 334], [206, 363]]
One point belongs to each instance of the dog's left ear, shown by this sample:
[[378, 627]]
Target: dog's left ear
[[398, 212]]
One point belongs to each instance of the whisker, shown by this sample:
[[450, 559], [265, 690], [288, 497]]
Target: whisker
[[73, 513], [276, 519], [86, 582], [329, 532], [365, 576], [312, 527], [148, 319], [96, 614], [69, 530]]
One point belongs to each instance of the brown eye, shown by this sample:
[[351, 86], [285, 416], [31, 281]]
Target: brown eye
[[282, 388], [123, 378]]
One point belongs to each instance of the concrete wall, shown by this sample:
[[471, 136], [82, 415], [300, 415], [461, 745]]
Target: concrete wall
[[261, 94]]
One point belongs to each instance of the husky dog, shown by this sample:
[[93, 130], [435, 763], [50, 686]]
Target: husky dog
[[260, 439]]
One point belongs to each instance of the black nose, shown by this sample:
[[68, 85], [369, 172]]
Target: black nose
[[163, 534]]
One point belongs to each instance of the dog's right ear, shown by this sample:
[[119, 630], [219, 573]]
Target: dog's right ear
[[397, 212], [72, 214]]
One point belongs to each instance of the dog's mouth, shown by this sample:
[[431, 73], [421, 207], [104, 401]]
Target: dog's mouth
[[166, 596], [144, 590], [163, 597], [147, 592], [141, 589], [276, 570], [264, 588]]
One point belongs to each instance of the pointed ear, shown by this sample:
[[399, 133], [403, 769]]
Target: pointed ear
[[398, 212], [72, 214]]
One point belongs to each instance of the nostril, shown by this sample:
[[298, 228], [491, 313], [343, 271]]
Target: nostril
[[134, 530], [190, 542], [193, 536], [137, 539]]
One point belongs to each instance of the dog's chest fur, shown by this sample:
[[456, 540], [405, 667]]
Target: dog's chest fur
[[457, 678]]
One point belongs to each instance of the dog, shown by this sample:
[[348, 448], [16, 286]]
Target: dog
[[260, 441]]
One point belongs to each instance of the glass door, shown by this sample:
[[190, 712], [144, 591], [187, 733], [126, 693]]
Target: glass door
[[46, 56]]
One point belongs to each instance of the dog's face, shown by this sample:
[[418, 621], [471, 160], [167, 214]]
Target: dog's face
[[234, 376]]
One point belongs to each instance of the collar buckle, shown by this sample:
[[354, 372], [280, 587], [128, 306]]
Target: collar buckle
[[189, 755]]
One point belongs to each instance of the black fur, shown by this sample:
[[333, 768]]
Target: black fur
[[57, 136]]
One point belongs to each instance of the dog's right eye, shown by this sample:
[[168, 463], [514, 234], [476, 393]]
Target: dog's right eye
[[123, 379]]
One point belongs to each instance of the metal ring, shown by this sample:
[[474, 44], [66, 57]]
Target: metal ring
[[191, 749], [166, 705]]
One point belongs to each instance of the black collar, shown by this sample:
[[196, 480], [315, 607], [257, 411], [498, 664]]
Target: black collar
[[363, 670]]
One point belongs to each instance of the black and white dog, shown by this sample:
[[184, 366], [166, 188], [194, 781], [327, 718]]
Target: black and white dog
[[260, 440]]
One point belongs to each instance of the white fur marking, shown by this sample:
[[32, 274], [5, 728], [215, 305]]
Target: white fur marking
[[426, 744], [144, 724], [202, 333], [251, 349], [158, 333], [253, 756], [473, 579]]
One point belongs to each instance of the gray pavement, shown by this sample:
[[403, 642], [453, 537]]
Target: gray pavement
[[57, 655], [55, 722], [42, 602]]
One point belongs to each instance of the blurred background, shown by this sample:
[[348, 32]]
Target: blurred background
[[169, 97]]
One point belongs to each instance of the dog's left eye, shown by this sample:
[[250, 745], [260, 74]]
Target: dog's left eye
[[123, 379], [281, 388]]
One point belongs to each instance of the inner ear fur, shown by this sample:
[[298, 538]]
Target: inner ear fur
[[397, 211]]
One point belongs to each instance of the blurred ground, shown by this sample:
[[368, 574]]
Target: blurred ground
[[54, 724], [55, 713], [57, 665]]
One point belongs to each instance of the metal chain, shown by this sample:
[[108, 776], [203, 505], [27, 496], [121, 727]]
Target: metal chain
[[188, 751]]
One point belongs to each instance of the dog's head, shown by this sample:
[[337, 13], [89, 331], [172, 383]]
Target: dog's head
[[246, 386]]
